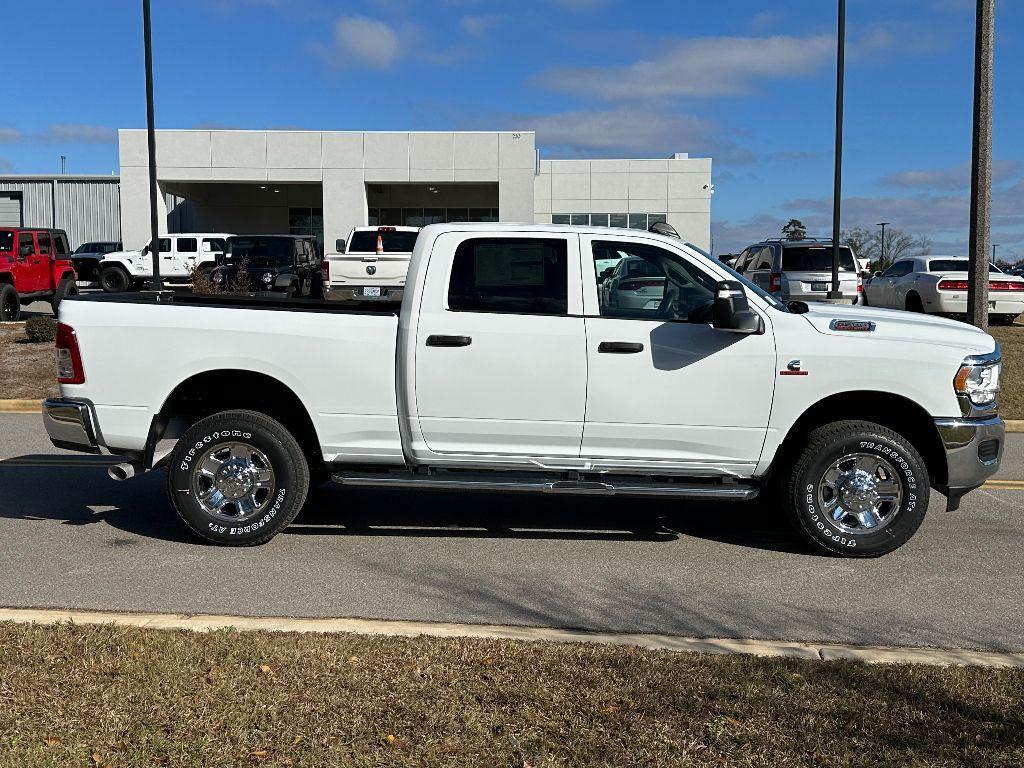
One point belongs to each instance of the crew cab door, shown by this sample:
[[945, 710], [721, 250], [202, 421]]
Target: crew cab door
[[185, 257], [665, 392], [32, 269], [500, 353]]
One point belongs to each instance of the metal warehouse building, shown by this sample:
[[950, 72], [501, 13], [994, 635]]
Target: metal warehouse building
[[86, 207], [326, 182]]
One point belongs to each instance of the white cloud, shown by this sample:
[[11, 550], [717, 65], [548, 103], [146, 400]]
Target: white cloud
[[709, 66], [361, 41], [61, 133], [580, 5], [478, 25], [956, 177]]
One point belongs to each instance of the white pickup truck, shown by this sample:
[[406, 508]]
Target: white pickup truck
[[370, 266], [503, 370]]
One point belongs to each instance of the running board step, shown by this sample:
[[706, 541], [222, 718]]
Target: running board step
[[475, 481]]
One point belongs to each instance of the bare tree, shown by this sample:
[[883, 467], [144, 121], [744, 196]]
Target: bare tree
[[922, 245], [861, 241]]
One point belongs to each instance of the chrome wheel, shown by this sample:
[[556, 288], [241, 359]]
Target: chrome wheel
[[861, 492], [233, 482]]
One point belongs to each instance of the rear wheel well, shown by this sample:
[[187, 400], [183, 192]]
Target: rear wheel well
[[211, 392], [6, 278], [899, 414]]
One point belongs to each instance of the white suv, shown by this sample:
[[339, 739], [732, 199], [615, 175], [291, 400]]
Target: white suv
[[181, 254]]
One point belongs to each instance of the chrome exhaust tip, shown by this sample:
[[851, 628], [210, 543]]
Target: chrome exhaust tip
[[124, 471]]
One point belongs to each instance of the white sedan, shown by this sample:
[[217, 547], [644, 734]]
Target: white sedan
[[938, 285]]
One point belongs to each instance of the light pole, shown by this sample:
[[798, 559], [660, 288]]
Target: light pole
[[835, 294], [881, 246], [994, 246], [62, 159], [154, 226], [981, 165]]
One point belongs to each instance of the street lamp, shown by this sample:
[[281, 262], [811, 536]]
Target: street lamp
[[881, 247], [835, 294], [994, 246], [154, 247]]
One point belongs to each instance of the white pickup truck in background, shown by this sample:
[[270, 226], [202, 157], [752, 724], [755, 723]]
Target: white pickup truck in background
[[370, 266], [504, 369]]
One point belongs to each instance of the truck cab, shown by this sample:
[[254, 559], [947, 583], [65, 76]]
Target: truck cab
[[34, 265]]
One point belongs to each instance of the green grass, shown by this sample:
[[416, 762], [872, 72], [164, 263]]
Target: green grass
[[1011, 399], [99, 696]]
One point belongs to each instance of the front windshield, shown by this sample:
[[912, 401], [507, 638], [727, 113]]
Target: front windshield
[[260, 251], [6, 241], [757, 291]]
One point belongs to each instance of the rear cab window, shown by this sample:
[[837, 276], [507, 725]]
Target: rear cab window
[[510, 275], [816, 258], [390, 240]]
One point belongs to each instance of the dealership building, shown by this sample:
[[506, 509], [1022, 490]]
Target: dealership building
[[324, 183]]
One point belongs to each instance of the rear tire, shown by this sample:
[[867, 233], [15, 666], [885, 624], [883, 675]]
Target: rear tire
[[237, 478], [65, 288], [10, 303], [114, 279], [833, 495]]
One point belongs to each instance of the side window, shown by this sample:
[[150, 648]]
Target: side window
[[651, 283], [213, 244], [899, 269], [740, 265], [25, 244], [45, 246], [60, 244], [521, 275], [165, 246], [187, 245], [762, 259]]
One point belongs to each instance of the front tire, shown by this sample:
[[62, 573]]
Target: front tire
[[10, 303], [114, 279], [237, 478], [858, 490], [65, 288]]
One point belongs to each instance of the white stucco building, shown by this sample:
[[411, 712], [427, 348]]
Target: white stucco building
[[326, 182]]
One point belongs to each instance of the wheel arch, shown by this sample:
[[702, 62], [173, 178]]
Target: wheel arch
[[214, 391], [896, 412]]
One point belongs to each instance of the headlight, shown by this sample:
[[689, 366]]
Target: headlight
[[268, 278], [978, 382], [218, 277]]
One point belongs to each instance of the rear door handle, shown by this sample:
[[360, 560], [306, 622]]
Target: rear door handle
[[449, 341], [620, 347]]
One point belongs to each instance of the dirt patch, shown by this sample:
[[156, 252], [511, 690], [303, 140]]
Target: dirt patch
[[26, 370], [1011, 399]]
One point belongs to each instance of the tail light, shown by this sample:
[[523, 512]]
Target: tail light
[[1004, 285], [775, 282], [952, 285], [68, 356], [325, 271], [636, 285]]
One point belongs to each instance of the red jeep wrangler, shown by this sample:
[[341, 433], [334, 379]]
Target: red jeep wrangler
[[34, 265]]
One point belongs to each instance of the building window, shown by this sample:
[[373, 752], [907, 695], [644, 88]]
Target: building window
[[421, 217], [308, 222], [620, 220]]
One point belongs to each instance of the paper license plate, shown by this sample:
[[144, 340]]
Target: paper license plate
[[372, 292], [819, 286]]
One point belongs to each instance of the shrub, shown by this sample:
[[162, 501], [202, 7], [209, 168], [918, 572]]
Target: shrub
[[41, 329]]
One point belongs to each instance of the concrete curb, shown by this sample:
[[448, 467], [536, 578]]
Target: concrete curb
[[21, 406], [773, 648]]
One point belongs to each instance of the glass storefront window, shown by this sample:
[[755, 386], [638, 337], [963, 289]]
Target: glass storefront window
[[618, 220], [599, 219], [560, 218], [581, 219], [638, 221], [457, 215], [653, 218]]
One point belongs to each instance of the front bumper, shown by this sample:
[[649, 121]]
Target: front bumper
[[71, 425], [974, 448]]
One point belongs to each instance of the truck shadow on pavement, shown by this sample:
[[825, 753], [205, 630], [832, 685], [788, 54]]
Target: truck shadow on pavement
[[75, 490]]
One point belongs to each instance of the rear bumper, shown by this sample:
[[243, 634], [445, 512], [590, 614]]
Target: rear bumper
[[71, 424], [974, 448], [355, 293], [957, 304]]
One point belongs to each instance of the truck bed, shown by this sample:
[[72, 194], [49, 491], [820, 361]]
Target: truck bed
[[270, 303]]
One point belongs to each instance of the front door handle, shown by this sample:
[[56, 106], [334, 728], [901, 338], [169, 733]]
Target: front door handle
[[620, 347], [449, 341]]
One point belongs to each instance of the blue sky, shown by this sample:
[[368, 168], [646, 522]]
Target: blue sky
[[750, 84]]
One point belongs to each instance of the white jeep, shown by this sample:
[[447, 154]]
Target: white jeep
[[180, 256]]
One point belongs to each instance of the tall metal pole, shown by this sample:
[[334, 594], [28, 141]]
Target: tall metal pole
[[881, 245], [154, 224], [837, 191], [981, 165], [994, 246]]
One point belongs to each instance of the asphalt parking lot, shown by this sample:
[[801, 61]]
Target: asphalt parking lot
[[72, 538]]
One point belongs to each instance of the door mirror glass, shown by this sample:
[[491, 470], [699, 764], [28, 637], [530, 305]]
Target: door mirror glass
[[731, 311], [878, 274], [339, 245]]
